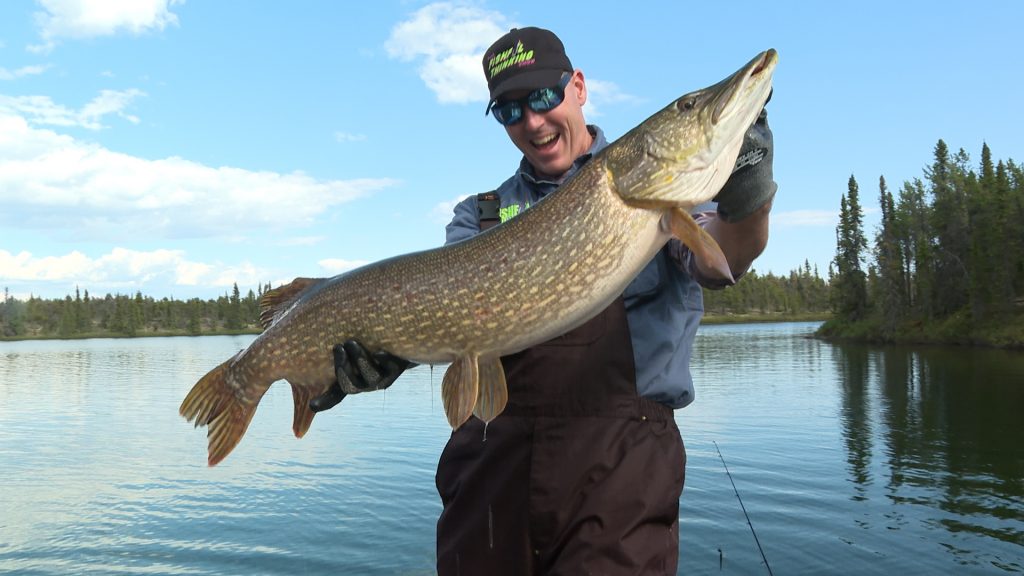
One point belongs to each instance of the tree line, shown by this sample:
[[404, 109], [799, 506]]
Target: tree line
[[83, 315], [803, 293], [946, 263]]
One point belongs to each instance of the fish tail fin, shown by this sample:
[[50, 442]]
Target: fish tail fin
[[303, 414], [213, 403]]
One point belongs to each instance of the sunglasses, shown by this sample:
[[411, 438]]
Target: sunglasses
[[509, 112]]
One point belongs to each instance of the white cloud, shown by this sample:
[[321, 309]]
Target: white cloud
[[43, 110], [442, 212], [77, 19], [334, 266], [124, 269], [603, 92], [805, 218], [6, 74], [82, 190], [348, 137], [448, 40], [110, 102]]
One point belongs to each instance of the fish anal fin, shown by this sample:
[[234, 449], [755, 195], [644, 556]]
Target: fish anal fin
[[493, 394], [459, 389], [705, 249], [213, 403], [303, 416], [274, 302]]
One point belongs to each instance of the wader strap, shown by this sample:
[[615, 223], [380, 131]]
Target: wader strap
[[488, 204]]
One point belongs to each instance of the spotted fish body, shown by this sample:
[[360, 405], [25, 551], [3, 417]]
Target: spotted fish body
[[536, 276]]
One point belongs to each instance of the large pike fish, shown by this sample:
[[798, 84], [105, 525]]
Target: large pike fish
[[539, 275]]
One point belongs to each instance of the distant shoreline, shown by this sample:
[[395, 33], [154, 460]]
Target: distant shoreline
[[1006, 332], [154, 334], [708, 319], [831, 331]]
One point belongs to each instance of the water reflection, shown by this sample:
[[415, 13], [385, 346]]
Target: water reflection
[[950, 439], [855, 416], [878, 460]]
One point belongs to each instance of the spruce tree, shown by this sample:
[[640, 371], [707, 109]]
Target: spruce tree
[[890, 291], [850, 284]]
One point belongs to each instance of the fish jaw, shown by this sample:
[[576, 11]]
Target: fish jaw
[[682, 155]]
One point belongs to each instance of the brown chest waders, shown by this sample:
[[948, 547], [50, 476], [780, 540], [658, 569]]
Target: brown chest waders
[[579, 475]]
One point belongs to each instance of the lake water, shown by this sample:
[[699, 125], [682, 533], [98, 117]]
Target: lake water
[[848, 459]]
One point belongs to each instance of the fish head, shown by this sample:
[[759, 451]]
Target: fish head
[[683, 154]]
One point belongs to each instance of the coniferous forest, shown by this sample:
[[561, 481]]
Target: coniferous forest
[[85, 316], [946, 263]]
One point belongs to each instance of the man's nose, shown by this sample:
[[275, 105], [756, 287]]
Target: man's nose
[[532, 119]]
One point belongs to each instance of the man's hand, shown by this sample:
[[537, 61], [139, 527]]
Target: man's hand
[[741, 228], [357, 370], [751, 185]]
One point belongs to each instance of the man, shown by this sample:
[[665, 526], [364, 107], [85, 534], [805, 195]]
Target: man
[[582, 472]]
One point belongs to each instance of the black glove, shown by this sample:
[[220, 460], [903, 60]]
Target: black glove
[[751, 184], [357, 370]]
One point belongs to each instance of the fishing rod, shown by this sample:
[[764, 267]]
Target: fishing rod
[[749, 523]]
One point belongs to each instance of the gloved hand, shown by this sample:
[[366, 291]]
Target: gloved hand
[[358, 371], [751, 184]]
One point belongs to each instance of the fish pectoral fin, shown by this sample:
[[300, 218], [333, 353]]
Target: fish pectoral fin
[[459, 389], [493, 394], [274, 302], [303, 415], [212, 403], [705, 249]]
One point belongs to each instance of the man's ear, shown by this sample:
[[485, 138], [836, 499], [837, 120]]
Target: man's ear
[[579, 84]]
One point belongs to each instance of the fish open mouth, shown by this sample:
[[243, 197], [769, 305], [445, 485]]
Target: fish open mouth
[[762, 64]]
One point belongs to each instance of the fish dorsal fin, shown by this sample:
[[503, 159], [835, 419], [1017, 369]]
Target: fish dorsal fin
[[459, 389], [276, 301], [493, 394], [705, 249]]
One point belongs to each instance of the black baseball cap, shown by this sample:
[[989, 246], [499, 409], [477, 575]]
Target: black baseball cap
[[524, 59]]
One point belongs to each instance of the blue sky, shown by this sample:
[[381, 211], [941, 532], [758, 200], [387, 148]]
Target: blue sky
[[178, 147]]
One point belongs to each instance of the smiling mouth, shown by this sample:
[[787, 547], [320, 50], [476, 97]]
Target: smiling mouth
[[542, 142]]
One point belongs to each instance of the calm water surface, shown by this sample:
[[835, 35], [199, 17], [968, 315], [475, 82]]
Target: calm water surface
[[849, 460]]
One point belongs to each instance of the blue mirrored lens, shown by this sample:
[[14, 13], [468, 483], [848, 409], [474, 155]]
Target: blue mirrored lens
[[544, 99], [510, 112]]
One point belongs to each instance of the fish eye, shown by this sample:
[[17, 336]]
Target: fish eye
[[686, 104]]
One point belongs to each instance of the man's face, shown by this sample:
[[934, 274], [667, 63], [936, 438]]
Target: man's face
[[552, 140]]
